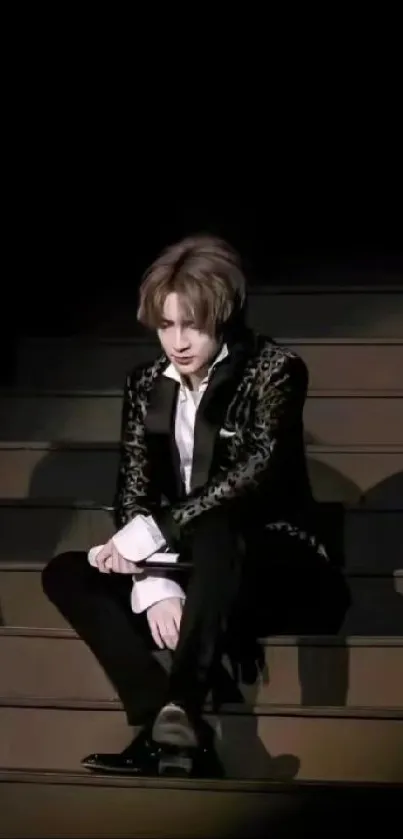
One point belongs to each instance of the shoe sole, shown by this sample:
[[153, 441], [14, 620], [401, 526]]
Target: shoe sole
[[113, 770], [175, 733], [175, 765]]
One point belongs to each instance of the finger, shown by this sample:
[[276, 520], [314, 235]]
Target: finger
[[119, 563], [173, 641], [106, 566], [115, 559], [103, 555], [126, 566], [177, 618], [170, 635], [104, 552], [155, 632]]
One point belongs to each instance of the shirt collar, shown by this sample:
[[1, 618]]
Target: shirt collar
[[172, 373]]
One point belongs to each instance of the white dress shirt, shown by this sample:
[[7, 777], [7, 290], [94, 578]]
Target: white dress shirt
[[143, 532]]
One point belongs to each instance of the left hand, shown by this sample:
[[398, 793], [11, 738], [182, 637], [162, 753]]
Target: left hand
[[109, 559], [164, 618]]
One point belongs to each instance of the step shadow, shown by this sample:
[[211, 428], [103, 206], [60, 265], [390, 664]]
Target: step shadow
[[69, 488], [294, 593]]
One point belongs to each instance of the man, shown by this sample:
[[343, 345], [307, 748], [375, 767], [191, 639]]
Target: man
[[212, 488]]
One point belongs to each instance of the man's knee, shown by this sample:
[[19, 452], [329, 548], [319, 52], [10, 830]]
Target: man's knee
[[215, 527], [60, 570]]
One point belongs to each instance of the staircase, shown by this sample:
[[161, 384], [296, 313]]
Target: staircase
[[321, 734]]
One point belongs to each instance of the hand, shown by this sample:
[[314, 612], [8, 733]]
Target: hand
[[164, 620], [109, 559]]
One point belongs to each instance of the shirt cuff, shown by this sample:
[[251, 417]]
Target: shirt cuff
[[152, 589], [139, 538]]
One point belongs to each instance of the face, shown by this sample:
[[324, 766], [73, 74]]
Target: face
[[190, 350]]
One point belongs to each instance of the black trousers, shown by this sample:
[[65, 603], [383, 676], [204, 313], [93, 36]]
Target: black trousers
[[232, 596]]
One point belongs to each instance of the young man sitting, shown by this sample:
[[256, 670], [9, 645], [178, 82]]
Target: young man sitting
[[213, 476]]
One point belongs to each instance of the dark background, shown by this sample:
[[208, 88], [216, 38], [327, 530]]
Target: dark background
[[83, 250], [105, 161]]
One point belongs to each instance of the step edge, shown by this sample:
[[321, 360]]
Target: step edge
[[61, 777], [328, 641], [359, 712]]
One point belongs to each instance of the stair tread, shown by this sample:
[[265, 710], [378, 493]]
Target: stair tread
[[277, 746], [312, 676]]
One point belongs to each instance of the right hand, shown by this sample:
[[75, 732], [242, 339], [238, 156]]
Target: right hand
[[164, 620], [109, 559]]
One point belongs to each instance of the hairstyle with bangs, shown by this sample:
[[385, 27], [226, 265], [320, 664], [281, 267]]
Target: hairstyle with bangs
[[206, 273]]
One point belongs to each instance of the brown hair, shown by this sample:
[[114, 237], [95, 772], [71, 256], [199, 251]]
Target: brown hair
[[206, 272]]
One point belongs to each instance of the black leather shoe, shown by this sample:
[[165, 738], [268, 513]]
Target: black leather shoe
[[199, 762], [141, 757]]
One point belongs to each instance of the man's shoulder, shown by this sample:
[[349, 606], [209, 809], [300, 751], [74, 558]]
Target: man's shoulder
[[141, 373], [270, 350]]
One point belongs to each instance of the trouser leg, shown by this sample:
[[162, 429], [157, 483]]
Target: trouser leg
[[217, 556], [97, 606]]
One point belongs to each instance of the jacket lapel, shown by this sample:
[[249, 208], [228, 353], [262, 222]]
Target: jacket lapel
[[212, 410], [160, 431]]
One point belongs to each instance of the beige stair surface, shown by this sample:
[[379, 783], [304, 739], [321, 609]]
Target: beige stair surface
[[356, 674], [331, 417], [370, 539], [320, 748], [88, 471], [74, 364]]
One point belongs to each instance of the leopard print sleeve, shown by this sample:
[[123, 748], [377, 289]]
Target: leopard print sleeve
[[281, 387], [132, 486]]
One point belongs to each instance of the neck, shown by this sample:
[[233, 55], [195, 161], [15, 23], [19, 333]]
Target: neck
[[194, 380]]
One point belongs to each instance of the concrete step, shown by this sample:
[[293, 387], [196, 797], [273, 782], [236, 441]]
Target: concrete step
[[352, 674], [376, 607], [370, 363], [331, 418], [320, 748], [61, 805], [370, 539], [71, 470]]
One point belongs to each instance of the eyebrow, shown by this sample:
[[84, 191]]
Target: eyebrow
[[171, 322]]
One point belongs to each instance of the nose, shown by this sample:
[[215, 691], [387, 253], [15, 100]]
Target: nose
[[181, 341]]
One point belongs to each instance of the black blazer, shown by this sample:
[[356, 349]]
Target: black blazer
[[249, 451]]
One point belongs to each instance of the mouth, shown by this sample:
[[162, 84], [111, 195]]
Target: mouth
[[183, 360]]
